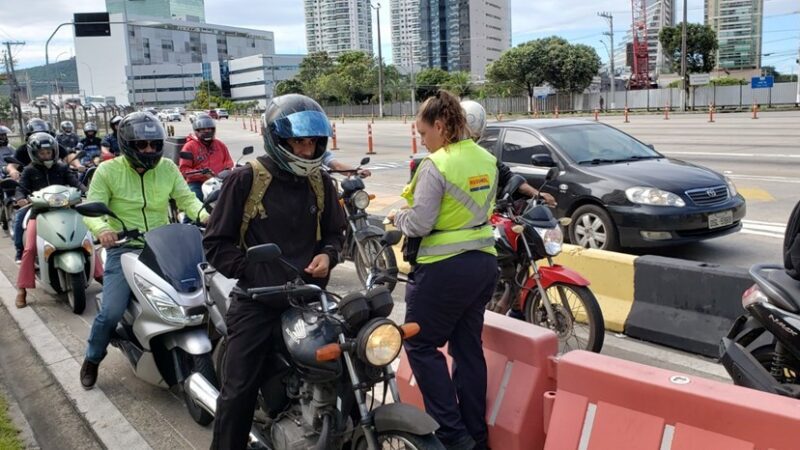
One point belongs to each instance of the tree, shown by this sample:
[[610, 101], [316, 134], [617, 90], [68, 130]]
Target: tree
[[293, 86], [5, 109], [701, 48], [459, 84], [429, 81], [312, 67], [575, 69], [357, 72], [209, 86]]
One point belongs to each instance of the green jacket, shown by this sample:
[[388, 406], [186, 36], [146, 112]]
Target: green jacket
[[141, 201]]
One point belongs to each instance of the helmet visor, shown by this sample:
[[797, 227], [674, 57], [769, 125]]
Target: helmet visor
[[303, 124]]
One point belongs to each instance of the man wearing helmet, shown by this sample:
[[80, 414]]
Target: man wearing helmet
[[476, 123], [299, 212], [137, 188], [68, 142], [35, 125], [5, 150], [44, 170], [207, 151], [110, 144], [90, 144]]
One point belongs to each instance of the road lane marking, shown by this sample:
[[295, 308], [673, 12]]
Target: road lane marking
[[767, 229], [765, 178], [735, 155], [755, 194]]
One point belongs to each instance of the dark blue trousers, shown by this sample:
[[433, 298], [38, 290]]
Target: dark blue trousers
[[448, 299]]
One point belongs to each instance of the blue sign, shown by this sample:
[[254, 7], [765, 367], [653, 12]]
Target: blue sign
[[762, 82]]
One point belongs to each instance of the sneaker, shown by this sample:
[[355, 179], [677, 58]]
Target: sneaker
[[89, 374], [18, 257]]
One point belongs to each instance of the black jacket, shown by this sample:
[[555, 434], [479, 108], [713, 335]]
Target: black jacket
[[36, 177], [291, 223], [22, 156]]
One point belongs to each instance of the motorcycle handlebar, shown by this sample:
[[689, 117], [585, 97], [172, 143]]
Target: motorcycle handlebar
[[294, 289]]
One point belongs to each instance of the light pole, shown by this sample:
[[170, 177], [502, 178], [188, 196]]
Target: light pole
[[183, 85], [91, 76], [58, 75], [380, 61], [683, 59], [155, 89], [608, 16]]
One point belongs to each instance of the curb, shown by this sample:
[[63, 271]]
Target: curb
[[104, 419]]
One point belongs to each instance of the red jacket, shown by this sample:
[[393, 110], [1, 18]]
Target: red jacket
[[214, 156]]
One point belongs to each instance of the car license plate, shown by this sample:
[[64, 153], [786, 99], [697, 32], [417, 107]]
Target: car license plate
[[720, 219]]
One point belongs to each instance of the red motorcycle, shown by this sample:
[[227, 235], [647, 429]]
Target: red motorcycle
[[551, 296]]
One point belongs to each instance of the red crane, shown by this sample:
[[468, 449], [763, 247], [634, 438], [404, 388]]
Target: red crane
[[640, 73]]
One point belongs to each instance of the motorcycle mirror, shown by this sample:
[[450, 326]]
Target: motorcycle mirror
[[263, 253], [247, 150], [12, 160], [212, 197], [391, 238], [186, 155], [94, 209], [364, 161], [8, 184], [551, 174], [513, 185], [224, 174]]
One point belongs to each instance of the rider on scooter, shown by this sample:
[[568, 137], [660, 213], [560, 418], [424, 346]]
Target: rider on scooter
[[45, 170], [5, 150], [207, 151], [90, 144]]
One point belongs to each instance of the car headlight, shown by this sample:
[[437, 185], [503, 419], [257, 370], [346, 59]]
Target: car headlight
[[162, 303], [653, 196], [361, 200], [379, 342], [731, 187], [553, 239], [58, 200]]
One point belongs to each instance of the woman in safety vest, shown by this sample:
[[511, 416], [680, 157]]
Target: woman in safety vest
[[451, 247]]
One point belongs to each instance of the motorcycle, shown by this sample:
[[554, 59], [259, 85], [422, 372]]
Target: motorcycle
[[551, 296], [8, 187], [362, 238], [332, 353], [65, 250], [762, 349], [162, 332]]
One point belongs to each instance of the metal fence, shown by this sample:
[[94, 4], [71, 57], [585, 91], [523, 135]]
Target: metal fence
[[722, 97]]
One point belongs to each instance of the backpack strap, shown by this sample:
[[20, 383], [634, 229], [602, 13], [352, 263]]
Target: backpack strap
[[254, 206], [317, 185]]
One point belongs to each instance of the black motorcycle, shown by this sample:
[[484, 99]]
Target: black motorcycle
[[8, 186], [363, 235], [334, 351]]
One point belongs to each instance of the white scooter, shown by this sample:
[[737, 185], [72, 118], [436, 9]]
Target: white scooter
[[163, 332]]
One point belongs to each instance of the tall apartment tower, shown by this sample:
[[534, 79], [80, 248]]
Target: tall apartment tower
[[406, 35], [338, 26], [738, 25]]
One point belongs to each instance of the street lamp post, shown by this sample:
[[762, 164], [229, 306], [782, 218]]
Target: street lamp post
[[608, 16], [183, 85], [155, 88], [91, 76], [380, 61]]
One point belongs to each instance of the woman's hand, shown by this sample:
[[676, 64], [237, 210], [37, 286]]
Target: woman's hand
[[108, 239]]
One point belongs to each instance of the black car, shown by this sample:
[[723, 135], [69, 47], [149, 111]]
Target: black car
[[618, 191]]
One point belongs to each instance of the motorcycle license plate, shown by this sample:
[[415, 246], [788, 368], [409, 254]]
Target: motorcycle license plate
[[720, 219]]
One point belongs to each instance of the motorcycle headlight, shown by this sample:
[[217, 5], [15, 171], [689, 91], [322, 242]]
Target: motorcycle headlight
[[731, 187], [379, 342], [58, 200], [162, 303], [361, 200], [653, 196], [553, 239]]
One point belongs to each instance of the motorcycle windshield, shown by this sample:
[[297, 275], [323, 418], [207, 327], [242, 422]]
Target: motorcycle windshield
[[173, 252]]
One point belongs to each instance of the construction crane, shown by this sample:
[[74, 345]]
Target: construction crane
[[640, 64]]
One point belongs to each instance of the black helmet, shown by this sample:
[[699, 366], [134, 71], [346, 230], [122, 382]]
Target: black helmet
[[4, 132], [90, 127], [42, 141], [294, 116], [204, 121], [115, 123], [67, 127], [36, 125], [141, 127]]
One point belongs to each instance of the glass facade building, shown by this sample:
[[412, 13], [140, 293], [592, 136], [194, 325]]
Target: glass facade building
[[189, 10], [738, 24]]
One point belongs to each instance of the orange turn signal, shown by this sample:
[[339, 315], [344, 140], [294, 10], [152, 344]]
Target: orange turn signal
[[409, 330], [48, 251], [372, 196], [341, 202], [329, 352], [88, 247]]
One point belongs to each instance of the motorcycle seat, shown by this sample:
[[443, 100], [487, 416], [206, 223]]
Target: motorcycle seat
[[786, 288]]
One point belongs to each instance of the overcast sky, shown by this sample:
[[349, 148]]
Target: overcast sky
[[531, 19]]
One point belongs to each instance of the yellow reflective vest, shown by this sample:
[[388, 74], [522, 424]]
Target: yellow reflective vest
[[470, 176]]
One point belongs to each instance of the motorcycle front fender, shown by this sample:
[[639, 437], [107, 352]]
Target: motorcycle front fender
[[556, 274], [368, 232], [70, 262], [193, 341], [403, 417]]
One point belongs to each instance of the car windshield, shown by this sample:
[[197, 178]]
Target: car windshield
[[598, 144]]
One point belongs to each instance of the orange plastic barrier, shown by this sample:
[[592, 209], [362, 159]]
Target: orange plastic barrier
[[520, 371], [605, 403]]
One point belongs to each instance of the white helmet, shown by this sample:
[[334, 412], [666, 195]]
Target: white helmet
[[476, 118]]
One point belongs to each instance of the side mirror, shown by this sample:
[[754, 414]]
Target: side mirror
[[224, 174], [513, 184], [551, 174], [212, 197], [263, 253], [541, 160], [391, 238], [247, 150], [12, 160], [8, 184], [186, 155], [651, 146], [365, 161], [95, 209]]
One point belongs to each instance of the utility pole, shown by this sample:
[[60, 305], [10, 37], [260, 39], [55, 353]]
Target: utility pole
[[683, 59], [608, 16], [380, 62], [797, 98], [14, 86]]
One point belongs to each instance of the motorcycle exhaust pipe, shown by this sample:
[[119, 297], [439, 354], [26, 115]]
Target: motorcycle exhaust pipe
[[204, 394]]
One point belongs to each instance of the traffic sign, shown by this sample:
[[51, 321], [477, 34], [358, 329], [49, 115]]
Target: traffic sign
[[762, 82], [699, 79]]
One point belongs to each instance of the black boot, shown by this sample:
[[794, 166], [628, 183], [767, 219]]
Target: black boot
[[89, 374]]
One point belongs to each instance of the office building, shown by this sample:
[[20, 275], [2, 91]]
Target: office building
[[254, 77], [338, 26], [660, 14], [406, 35], [188, 10], [738, 24]]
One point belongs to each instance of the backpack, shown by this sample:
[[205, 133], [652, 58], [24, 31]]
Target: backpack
[[791, 244], [254, 206]]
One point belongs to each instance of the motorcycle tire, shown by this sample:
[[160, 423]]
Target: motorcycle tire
[[385, 263], [592, 332], [4, 218], [204, 365], [76, 293], [408, 441]]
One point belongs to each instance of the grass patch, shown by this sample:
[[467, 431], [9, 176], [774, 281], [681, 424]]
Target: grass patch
[[9, 435]]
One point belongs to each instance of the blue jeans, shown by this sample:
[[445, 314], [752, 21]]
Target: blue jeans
[[116, 294], [197, 188], [19, 221]]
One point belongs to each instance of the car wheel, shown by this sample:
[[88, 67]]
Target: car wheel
[[592, 227]]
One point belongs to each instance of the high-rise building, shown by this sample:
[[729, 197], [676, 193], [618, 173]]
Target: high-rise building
[[464, 35], [189, 10], [338, 26], [738, 24], [660, 14], [406, 34]]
